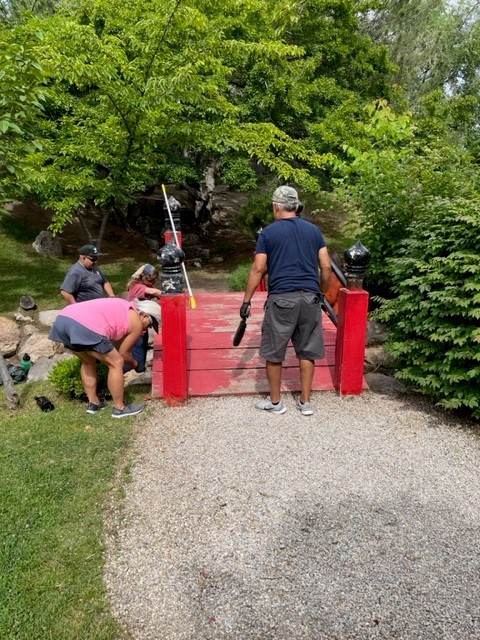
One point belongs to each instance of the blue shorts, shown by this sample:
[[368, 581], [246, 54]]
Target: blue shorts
[[292, 316], [76, 337]]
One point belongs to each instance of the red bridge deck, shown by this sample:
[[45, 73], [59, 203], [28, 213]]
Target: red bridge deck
[[215, 367]]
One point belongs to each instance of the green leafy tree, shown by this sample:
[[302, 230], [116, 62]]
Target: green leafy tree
[[21, 80], [136, 96], [403, 163]]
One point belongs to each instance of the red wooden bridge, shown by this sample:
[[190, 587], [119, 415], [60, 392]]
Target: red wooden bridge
[[214, 367]]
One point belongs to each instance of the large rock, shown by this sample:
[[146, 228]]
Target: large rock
[[44, 365], [39, 346], [376, 333], [47, 318], [10, 335], [377, 358], [47, 245]]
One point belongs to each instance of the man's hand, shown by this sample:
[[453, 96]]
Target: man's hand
[[245, 310]]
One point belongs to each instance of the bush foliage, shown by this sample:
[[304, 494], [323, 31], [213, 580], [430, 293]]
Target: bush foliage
[[65, 376], [434, 318]]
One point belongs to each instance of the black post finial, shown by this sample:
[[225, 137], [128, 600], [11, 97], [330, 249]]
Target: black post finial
[[175, 209], [356, 260], [171, 258]]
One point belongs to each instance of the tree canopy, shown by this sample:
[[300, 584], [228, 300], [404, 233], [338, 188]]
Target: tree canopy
[[135, 94]]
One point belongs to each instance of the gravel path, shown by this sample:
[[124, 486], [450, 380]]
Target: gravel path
[[362, 521]]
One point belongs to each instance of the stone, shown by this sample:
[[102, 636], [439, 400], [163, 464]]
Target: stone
[[38, 345], [388, 385], [20, 317], [10, 335], [47, 318], [376, 357], [27, 303], [376, 333], [47, 245], [28, 330], [41, 369]]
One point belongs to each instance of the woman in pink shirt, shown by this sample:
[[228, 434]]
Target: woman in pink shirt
[[142, 284], [105, 330]]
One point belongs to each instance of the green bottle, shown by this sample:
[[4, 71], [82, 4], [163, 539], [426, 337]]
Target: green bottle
[[26, 362]]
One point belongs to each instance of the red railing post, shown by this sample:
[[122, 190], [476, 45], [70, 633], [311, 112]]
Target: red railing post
[[174, 316], [174, 349], [352, 324]]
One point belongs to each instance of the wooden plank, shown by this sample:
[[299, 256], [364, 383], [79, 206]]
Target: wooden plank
[[211, 359], [218, 383]]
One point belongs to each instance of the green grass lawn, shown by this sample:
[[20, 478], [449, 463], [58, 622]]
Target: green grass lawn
[[57, 475], [24, 271], [56, 480]]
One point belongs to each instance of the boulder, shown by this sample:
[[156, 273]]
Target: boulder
[[388, 385], [10, 336], [44, 365], [376, 333], [29, 330], [47, 318], [39, 346], [376, 358], [47, 245]]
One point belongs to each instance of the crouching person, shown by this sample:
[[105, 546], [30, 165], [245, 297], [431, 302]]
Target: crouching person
[[105, 330]]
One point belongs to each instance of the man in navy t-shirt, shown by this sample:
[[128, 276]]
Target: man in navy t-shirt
[[291, 250]]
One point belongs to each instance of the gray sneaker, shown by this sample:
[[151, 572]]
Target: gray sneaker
[[128, 410], [93, 408], [305, 407], [267, 405]]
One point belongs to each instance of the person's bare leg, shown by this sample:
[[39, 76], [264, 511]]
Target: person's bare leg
[[115, 381], [307, 371], [88, 373], [274, 378]]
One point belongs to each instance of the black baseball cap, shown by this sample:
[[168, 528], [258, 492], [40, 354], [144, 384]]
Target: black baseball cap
[[89, 250]]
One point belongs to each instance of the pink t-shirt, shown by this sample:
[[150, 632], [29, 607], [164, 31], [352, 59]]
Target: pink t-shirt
[[106, 316], [137, 290]]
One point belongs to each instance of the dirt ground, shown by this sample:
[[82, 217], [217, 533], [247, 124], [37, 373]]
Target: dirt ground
[[227, 245]]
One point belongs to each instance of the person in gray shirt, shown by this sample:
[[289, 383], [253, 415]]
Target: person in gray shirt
[[84, 280]]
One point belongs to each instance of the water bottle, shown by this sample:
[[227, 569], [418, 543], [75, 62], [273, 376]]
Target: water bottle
[[26, 362], [44, 403]]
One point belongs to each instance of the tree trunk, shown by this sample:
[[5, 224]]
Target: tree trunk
[[12, 399], [83, 224], [102, 228], [204, 203]]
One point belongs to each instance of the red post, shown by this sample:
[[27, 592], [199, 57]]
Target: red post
[[350, 344], [169, 237], [174, 344]]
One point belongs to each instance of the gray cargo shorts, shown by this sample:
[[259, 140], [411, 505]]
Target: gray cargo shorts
[[295, 316]]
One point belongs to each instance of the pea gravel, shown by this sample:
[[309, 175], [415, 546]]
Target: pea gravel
[[362, 521]]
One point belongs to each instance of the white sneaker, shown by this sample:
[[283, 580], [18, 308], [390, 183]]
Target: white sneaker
[[267, 405], [305, 407]]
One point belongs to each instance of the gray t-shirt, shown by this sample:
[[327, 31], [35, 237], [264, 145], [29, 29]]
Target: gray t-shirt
[[84, 284]]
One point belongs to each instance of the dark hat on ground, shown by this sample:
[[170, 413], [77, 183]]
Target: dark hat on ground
[[286, 196], [89, 250]]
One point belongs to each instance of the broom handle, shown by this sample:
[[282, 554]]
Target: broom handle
[[193, 303]]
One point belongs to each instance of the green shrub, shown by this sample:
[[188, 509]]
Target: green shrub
[[65, 376], [238, 279], [434, 318]]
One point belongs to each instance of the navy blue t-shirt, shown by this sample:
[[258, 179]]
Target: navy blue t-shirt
[[292, 246]]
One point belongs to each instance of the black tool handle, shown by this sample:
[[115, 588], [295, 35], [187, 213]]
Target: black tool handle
[[239, 333]]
